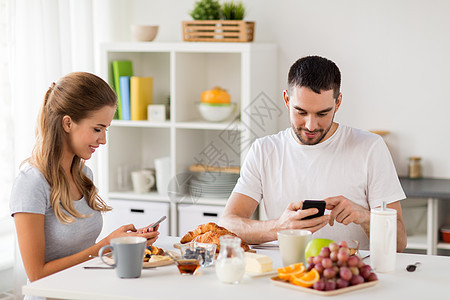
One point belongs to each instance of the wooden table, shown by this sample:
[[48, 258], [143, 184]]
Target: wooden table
[[432, 281]]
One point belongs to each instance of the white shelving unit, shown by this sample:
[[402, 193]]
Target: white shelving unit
[[182, 71]]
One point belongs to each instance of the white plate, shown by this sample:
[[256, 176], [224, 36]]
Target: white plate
[[253, 275]]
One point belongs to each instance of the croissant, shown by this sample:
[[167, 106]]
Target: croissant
[[210, 233], [201, 229]]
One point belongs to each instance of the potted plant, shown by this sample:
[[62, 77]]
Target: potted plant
[[218, 23], [233, 10], [206, 10]]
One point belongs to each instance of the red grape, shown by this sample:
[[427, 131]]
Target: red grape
[[341, 283], [310, 260], [329, 273], [345, 273], [372, 277], [319, 285], [327, 263], [356, 279], [334, 256], [368, 267], [353, 261], [330, 285], [325, 252], [343, 244], [342, 256], [319, 267], [344, 249], [365, 272], [333, 247], [317, 259], [354, 270]]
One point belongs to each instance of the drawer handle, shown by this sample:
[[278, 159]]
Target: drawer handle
[[135, 210], [206, 214]]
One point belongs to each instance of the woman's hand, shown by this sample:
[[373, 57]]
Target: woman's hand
[[151, 234]]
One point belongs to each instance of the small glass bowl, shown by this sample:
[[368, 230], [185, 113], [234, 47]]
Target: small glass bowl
[[204, 252]]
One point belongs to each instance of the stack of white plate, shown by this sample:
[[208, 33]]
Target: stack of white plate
[[212, 184]]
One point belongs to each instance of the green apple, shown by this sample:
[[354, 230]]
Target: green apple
[[315, 245]]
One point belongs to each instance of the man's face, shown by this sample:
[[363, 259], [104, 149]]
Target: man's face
[[311, 115]]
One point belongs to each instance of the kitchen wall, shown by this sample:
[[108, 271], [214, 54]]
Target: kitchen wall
[[393, 55]]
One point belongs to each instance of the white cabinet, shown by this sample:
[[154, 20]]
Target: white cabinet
[[182, 71], [190, 216], [139, 213]]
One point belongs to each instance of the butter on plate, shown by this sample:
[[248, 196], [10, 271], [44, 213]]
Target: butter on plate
[[257, 263]]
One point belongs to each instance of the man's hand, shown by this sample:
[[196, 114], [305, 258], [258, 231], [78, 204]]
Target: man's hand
[[345, 211], [293, 215]]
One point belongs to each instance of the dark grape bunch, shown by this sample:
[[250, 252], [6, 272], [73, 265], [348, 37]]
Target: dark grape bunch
[[338, 269]]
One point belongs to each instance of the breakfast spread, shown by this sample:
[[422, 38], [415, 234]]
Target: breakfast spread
[[257, 263], [210, 233]]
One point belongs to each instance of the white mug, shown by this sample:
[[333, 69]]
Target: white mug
[[383, 239], [292, 245], [143, 180]]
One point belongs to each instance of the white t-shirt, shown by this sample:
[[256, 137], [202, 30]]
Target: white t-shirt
[[353, 163]]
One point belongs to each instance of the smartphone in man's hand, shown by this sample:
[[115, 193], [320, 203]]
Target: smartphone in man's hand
[[319, 204]]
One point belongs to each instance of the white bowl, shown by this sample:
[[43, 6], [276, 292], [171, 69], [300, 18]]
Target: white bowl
[[144, 33], [216, 112]]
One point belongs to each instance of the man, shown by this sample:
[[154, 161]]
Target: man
[[318, 159]]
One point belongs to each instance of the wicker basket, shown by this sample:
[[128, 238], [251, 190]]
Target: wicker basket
[[218, 31]]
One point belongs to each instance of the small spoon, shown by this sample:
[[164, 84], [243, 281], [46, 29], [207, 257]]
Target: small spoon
[[172, 257]]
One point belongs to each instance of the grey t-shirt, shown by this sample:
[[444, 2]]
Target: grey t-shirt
[[31, 194]]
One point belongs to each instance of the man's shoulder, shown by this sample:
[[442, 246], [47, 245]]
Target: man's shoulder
[[274, 139], [356, 135], [267, 145]]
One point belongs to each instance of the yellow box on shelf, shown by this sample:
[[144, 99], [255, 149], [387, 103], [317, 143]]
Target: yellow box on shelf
[[141, 95]]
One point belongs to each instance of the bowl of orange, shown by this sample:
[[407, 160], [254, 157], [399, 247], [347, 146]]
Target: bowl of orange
[[215, 105]]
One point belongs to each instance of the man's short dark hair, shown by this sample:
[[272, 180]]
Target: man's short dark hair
[[316, 73]]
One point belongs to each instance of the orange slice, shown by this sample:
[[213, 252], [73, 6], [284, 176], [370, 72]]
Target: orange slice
[[307, 280], [288, 272]]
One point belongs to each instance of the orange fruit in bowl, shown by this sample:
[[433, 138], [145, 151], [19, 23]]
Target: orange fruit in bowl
[[307, 280], [216, 95], [288, 272]]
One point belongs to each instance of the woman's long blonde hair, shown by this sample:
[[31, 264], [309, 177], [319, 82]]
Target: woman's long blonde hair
[[77, 95]]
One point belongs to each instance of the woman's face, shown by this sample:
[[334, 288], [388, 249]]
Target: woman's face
[[88, 134]]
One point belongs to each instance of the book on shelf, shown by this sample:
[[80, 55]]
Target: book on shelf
[[120, 68], [125, 97], [141, 96]]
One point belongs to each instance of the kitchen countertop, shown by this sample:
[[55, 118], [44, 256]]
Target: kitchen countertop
[[426, 187], [431, 281]]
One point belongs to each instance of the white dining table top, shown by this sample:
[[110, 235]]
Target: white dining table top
[[430, 281]]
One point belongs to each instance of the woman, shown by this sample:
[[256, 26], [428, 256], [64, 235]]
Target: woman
[[54, 202]]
